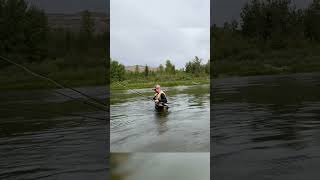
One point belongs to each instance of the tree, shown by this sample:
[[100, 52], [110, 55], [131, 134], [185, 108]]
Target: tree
[[117, 71], [161, 68], [234, 25], [146, 71], [23, 31], [36, 30], [250, 17], [137, 69], [87, 29], [196, 67], [311, 21], [266, 19], [170, 68], [226, 26], [207, 67]]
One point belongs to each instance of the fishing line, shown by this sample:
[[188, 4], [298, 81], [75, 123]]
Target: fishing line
[[135, 91], [53, 81], [84, 102]]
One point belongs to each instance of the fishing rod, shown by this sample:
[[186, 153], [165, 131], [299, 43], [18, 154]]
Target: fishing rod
[[97, 102], [137, 92]]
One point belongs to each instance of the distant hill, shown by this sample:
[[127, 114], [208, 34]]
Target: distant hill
[[141, 68], [73, 21]]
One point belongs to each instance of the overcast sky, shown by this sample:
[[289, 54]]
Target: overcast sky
[[227, 10], [151, 31], [72, 6]]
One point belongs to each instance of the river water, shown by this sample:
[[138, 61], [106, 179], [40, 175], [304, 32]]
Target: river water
[[162, 166], [135, 126], [38, 142], [266, 127]]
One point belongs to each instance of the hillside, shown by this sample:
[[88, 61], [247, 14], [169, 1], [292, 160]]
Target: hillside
[[73, 21], [141, 68]]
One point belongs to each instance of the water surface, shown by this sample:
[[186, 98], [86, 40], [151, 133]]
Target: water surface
[[135, 126], [266, 127], [37, 141], [161, 166]]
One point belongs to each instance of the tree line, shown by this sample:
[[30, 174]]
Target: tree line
[[195, 67], [26, 37], [280, 19], [267, 25]]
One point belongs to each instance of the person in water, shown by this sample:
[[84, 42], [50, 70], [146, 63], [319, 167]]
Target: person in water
[[160, 96]]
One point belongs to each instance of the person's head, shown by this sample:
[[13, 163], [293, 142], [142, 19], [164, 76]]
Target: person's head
[[157, 88]]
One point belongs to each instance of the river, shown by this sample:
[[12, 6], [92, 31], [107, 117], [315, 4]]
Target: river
[[161, 166], [266, 127], [38, 142], [135, 126]]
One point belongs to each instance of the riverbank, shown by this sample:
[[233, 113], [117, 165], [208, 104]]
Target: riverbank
[[126, 85], [85, 73], [252, 63]]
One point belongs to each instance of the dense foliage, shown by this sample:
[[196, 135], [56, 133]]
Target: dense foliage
[[193, 69], [65, 54], [197, 68], [273, 36], [24, 31], [117, 71]]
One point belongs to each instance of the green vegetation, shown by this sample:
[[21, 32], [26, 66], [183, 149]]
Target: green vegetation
[[195, 72], [75, 58], [273, 37]]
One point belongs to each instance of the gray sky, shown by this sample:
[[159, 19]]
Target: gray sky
[[227, 10], [151, 31], [72, 6]]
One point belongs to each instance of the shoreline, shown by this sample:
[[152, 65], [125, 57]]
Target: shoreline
[[46, 86], [225, 76], [130, 85]]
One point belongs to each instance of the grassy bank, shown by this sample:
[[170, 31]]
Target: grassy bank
[[194, 72], [255, 62], [83, 73], [131, 85], [144, 83]]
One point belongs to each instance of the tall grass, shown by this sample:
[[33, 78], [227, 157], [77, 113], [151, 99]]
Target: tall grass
[[71, 71]]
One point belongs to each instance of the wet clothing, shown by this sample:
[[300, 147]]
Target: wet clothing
[[161, 97]]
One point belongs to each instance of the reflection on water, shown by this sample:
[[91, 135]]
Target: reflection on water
[[160, 166], [38, 142], [137, 127], [161, 119], [266, 127]]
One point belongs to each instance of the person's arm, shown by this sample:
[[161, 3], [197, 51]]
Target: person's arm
[[163, 98]]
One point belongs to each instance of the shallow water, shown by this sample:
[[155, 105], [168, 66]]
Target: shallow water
[[266, 127], [163, 166], [136, 127], [38, 142]]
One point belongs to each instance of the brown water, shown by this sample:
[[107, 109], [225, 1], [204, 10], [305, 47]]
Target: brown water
[[266, 127], [38, 142]]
